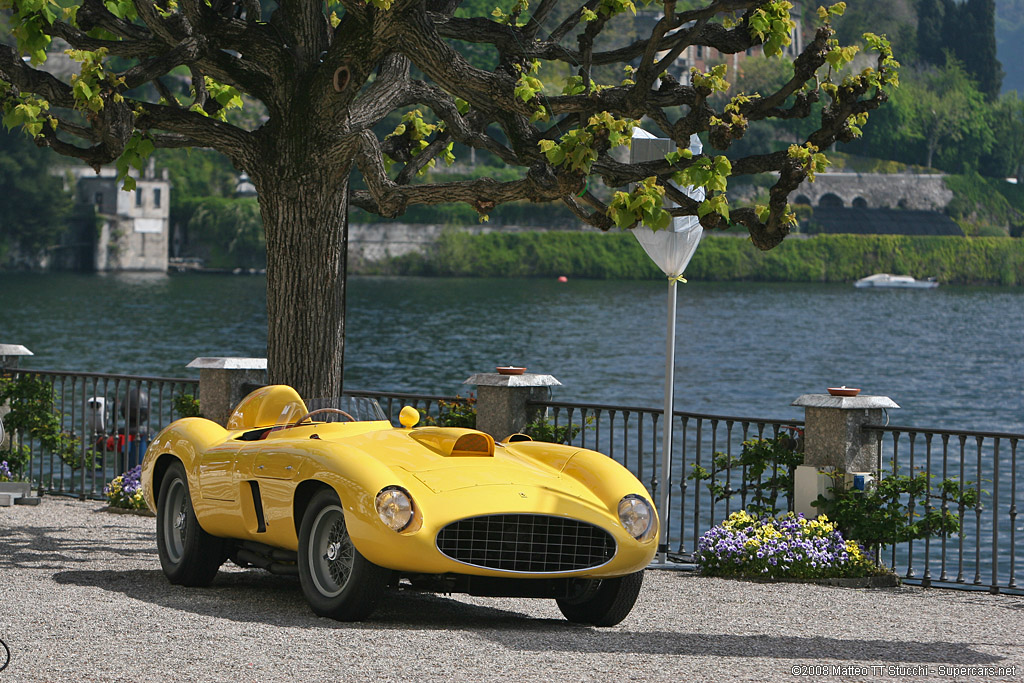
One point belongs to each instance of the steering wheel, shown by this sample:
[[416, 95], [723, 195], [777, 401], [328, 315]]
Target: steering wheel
[[322, 410]]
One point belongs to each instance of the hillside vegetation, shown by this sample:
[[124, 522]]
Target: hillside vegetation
[[617, 255]]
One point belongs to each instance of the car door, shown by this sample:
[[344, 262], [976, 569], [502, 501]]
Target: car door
[[217, 472]]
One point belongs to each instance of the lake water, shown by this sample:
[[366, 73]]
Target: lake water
[[951, 357]]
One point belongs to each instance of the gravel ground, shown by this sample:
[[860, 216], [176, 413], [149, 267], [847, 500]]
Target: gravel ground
[[82, 598]]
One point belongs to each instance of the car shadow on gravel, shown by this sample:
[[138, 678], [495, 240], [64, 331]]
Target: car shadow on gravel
[[52, 547], [253, 596], [726, 645], [256, 596]]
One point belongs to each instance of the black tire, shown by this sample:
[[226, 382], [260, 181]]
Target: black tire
[[189, 556], [337, 581], [607, 605]]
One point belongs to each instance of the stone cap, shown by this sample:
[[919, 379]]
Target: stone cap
[[14, 350], [527, 379], [844, 402], [228, 363]]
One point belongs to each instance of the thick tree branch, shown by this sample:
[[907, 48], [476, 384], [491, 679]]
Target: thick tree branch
[[308, 24], [94, 14], [130, 48], [490, 92], [184, 53], [388, 92], [390, 199], [15, 71], [204, 131]]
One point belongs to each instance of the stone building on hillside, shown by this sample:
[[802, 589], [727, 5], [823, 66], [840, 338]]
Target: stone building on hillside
[[124, 231]]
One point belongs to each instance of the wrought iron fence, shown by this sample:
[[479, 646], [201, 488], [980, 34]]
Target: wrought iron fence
[[102, 426], [984, 554], [430, 405], [632, 436], [108, 420]]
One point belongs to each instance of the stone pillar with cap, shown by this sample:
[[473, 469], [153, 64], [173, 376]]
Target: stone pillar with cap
[[502, 400], [835, 441], [223, 382], [10, 354]]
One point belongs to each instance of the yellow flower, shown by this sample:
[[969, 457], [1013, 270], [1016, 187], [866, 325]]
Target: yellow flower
[[853, 549], [739, 519]]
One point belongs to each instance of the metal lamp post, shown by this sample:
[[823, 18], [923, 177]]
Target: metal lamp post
[[671, 249]]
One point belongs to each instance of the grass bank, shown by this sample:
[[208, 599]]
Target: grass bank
[[616, 255]]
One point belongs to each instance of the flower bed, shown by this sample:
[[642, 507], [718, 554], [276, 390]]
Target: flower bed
[[125, 491], [786, 547]]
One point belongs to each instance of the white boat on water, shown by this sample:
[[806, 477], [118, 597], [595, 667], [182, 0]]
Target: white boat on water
[[895, 281]]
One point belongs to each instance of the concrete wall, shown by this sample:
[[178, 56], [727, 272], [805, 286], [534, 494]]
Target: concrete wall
[[370, 242], [922, 192]]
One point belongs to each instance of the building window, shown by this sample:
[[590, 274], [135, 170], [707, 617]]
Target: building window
[[98, 199], [138, 196], [156, 197]]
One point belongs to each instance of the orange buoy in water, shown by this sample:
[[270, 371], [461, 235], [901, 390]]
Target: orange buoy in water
[[562, 278]]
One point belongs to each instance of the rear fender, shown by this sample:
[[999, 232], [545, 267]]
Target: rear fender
[[184, 440]]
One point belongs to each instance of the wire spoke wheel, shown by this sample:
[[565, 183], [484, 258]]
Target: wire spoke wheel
[[336, 579], [173, 517], [331, 555]]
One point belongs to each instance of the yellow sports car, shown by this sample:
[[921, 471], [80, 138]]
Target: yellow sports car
[[354, 506]]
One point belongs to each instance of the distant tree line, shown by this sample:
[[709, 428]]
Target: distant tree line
[[946, 115]]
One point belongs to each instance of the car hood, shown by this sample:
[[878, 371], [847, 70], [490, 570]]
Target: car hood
[[433, 457], [444, 479]]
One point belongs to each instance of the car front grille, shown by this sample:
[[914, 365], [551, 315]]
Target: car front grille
[[526, 543]]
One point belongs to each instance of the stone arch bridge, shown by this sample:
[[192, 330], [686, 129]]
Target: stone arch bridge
[[914, 191]]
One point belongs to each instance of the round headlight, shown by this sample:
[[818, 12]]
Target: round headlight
[[636, 515], [394, 505]]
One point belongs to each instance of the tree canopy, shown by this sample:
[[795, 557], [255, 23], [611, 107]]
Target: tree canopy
[[527, 85], [33, 204]]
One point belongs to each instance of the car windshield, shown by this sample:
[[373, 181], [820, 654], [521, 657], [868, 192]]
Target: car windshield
[[362, 408]]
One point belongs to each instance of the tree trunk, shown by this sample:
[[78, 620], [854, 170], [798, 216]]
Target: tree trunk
[[305, 214]]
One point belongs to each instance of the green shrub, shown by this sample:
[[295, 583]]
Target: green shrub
[[186, 405], [32, 415], [881, 515], [617, 255], [458, 413], [544, 429]]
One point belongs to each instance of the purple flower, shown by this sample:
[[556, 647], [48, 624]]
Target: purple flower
[[789, 546]]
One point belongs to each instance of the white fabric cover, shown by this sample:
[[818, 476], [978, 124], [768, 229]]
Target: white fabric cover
[[671, 249]]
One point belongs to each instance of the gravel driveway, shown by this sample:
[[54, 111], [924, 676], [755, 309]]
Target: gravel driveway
[[82, 598]]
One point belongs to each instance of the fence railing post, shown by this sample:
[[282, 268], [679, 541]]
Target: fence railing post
[[834, 441], [501, 400], [223, 382]]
